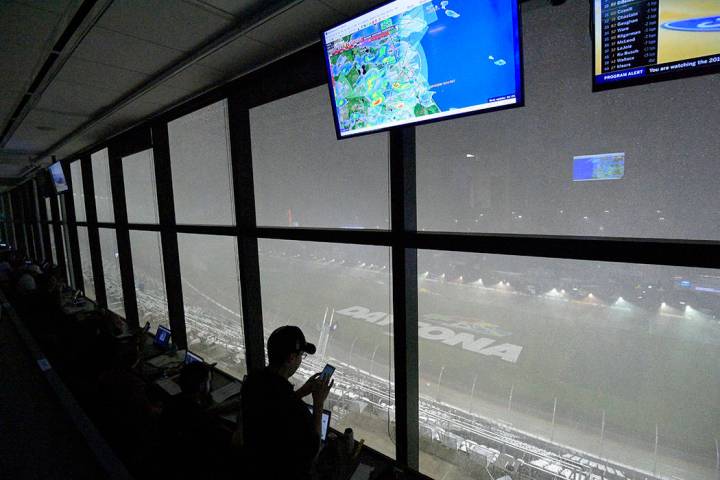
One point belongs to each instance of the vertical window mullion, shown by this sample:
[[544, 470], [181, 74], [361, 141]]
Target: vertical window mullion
[[405, 295], [122, 235], [93, 233], [245, 219], [166, 215]]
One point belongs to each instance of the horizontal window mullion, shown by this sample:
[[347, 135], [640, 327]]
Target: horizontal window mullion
[[360, 237], [704, 254]]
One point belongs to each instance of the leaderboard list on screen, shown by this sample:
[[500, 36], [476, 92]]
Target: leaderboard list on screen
[[629, 34], [647, 40]]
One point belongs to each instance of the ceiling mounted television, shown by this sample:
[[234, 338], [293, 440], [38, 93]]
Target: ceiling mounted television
[[415, 61], [642, 41], [58, 177]]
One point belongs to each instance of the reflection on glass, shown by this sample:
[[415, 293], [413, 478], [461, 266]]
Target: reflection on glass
[[339, 295], [201, 170], [305, 177], [512, 171], [48, 209], [101, 184], [111, 270], [78, 194], [538, 360], [86, 262], [149, 278], [211, 295], [140, 195]]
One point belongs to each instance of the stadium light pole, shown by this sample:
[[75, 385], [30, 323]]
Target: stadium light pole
[[472, 396], [437, 396], [352, 347], [552, 430], [372, 359], [717, 458], [509, 409], [655, 455]]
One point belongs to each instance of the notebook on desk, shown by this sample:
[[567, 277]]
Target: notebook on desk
[[223, 393]]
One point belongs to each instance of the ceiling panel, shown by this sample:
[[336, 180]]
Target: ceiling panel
[[163, 96], [8, 102], [119, 50], [352, 7], [195, 77], [55, 6], [128, 115], [296, 27], [175, 24], [18, 66], [29, 138], [66, 97], [237, 8], [240, 55], [84, 72], [26, 26], [12, 169]]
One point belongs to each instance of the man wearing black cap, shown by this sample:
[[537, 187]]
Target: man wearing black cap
[[281, 436]]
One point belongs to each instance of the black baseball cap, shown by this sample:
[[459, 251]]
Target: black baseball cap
[[286, 340]]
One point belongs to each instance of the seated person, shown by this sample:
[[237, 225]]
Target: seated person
[[129, 413], [281, 437], [200, 448]]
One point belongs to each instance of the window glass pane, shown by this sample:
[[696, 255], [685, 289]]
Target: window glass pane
[[211, 295], [305, 177], [513, 171], [339, 295], [86, 262], [201, 171], [53, 251], [77, 191], [602, 358], [48, 209], [149, 278], [111, 270], [103, 189], [140, 194]]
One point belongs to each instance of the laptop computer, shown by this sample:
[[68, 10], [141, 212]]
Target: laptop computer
[[192, 358], [162, 337], [325, 423]]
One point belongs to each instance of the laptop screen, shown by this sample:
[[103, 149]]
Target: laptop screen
[[192, 358], [325, 423], [162, 337]]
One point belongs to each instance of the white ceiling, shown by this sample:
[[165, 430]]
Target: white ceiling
[[97, 86]]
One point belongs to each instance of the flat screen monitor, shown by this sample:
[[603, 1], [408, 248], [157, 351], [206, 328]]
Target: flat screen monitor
[[58, 177], [605, 166], [641, 41], [415, 61], [162, 337]]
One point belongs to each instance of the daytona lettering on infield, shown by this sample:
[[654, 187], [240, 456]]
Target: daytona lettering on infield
[[467, 341]]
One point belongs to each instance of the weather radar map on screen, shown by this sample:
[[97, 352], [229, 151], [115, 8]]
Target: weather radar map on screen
[[58, 177], [638, 41], [411, 61]]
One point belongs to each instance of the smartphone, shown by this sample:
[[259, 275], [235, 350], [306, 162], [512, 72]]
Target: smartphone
[[327, 372]]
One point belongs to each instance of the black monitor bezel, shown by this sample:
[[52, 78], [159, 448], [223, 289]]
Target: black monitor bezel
[[602, 87], [521, 87]]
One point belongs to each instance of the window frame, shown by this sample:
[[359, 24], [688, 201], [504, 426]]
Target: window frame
[[403, 237]]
